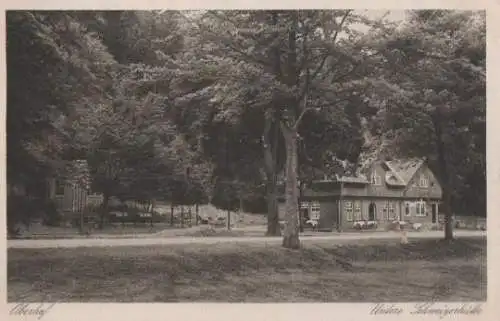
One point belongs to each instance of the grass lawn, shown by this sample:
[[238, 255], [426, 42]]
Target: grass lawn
[[364, 271]]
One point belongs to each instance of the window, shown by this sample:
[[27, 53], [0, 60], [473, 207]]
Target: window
[[315, 210], [348, 211], [376, 180], [372, 212], [392, 211], [385, 211], [424, 182], [421, 208], [357, 211], [407, 209]]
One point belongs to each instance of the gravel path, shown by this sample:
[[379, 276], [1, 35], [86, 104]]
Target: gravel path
[[334, 237]]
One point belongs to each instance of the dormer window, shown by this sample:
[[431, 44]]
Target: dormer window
[[424, 181], [376, 179]]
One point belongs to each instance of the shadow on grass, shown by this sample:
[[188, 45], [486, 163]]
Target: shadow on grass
[[371, 271]]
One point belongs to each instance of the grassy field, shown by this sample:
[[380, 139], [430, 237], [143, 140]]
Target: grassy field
[[367, 271]]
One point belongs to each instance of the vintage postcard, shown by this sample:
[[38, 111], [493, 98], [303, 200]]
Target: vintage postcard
[[257, 161]]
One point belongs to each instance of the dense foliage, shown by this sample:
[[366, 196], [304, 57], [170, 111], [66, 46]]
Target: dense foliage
[[224, 106]]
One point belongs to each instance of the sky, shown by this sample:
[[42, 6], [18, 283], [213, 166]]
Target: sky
[[393, 14]]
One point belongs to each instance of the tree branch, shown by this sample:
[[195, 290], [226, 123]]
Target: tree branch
[[348, 12], [304, 110], [227, 43], [315, 73]]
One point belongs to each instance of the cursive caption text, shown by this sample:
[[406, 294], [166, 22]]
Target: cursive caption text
[[437, 309], [38, 310]]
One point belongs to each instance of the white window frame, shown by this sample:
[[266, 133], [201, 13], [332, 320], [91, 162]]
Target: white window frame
[[376, 179], [385, 211], [421, 209], [392, 211], [348, 210], [315, 210], [357, 211], [375, 212], [423, 181]]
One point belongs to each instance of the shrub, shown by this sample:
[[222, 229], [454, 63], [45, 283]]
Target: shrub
[[21, 209], [394, 226], [417, 226], [90, 213], [51, 215], [158, 218], [121, 207], [436, 227]]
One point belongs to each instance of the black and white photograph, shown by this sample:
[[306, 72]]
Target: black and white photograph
[[246, 156]]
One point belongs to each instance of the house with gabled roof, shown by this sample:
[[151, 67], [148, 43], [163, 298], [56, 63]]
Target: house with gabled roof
[[378, 194]]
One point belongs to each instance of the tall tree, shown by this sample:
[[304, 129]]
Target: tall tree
[[63, 62], [435, 106], [293, 63]]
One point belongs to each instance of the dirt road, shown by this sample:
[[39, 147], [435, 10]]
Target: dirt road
[[334, 237]]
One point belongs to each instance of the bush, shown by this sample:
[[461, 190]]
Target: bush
[[52, 216], [436, 227], [118, 207], [158, 218], [19, 210], [90, 213]]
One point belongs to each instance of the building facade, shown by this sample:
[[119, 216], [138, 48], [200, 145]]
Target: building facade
[[388, 191], [71, 191]]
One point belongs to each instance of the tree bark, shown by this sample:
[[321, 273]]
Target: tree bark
[[182, 216], [270, 141], [171, 214], [291, 231], [270, 153], [445, 183], [301, 218]]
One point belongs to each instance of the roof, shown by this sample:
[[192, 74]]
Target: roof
[[400, 172], [405, 169]]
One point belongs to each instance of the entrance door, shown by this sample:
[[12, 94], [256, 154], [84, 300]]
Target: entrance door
[[372, 212], [434, 213]]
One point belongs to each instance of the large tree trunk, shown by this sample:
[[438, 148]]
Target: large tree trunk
[[171, 214], [445, 183], [270, 155], [301, 218], [270, 140], [182, 216], [291, 232]]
